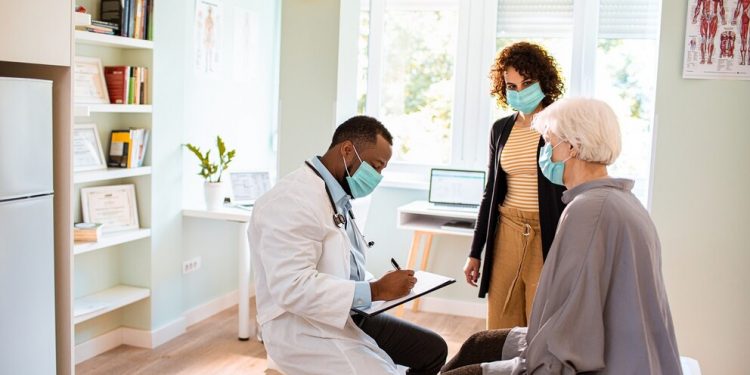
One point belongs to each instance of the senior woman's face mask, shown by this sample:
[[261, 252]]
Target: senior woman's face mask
[[553, 170]]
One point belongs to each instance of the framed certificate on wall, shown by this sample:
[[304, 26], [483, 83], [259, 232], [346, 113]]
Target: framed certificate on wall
[[114, 207]]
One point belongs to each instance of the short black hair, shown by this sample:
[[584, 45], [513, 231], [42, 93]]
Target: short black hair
[[360, 130]]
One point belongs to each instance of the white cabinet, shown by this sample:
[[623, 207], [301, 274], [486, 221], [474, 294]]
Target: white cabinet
[[36, 31]]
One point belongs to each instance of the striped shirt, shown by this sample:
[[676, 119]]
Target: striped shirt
[[518, 161]]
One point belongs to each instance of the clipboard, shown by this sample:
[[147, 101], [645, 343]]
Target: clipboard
[[426, 283]]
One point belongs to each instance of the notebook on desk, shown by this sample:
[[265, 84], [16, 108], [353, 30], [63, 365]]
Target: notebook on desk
[[426, 283], [455, 189]]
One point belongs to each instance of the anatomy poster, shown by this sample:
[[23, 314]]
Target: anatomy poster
[[716, 39], [246, 45], [207, 36]]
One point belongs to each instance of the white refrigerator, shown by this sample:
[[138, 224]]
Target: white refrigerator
[[27, 275]]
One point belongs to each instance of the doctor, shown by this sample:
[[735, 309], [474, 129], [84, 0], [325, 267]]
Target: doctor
[[309, 261]]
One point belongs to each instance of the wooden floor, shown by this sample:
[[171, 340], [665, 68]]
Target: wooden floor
[[211, 347]]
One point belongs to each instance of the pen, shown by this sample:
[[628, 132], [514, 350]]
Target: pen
[[395, 265]]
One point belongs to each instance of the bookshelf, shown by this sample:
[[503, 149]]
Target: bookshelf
[[111, 239], [88, 38], [85, 110], [112, 277], [110, 174], [93, 305]]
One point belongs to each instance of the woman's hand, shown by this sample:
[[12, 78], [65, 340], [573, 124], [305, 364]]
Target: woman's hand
[[471, 270]]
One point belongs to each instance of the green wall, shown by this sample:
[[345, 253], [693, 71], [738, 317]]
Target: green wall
[[700, 203]]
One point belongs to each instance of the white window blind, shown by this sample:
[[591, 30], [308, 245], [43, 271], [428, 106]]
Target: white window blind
[[618, 19], [628, 19], [534, 19]]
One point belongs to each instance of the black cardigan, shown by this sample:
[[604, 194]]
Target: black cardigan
[[550, 203]]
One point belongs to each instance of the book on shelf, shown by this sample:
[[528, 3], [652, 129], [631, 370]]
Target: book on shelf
[[133, 16], [127, 148], [111, 11], [105, 24], [96, 29], [127, 84], [87, 232]]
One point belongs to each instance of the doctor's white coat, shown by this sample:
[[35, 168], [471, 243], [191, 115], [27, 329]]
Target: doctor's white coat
[[300, 260]]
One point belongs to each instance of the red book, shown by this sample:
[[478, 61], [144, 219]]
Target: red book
[[117, 81]]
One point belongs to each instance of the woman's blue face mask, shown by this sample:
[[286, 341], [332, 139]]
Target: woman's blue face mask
[[365, 179], [525, 100]]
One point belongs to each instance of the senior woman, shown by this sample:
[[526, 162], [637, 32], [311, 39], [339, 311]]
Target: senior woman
[[601, 305]]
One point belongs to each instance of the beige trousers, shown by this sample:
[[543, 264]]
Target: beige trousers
[[515, 270]]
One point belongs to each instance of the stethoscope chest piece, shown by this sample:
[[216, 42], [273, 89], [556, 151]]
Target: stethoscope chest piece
[[339, 220]]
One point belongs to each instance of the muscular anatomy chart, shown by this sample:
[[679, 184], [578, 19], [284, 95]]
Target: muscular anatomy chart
[[716, 39]]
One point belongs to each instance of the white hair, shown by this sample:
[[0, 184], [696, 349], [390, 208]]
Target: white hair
[[589, 125]]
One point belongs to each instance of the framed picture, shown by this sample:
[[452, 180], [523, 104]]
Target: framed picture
[[113, 206], [90, 86], [87, 149]]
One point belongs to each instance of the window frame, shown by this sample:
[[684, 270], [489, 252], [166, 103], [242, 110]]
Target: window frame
[[472, 105]]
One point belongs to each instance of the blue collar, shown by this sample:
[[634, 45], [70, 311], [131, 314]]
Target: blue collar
[[338, 194]]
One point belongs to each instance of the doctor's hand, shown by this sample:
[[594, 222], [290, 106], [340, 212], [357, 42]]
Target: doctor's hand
[[392, 285], [471, 270]]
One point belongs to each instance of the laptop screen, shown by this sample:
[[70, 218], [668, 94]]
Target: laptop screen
[[458, 187], [249, 186]]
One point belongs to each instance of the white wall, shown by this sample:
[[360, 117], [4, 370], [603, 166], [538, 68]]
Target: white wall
[[700, 203], [238, 103]]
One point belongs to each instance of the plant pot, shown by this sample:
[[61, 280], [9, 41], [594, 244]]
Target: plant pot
[[213, 193]]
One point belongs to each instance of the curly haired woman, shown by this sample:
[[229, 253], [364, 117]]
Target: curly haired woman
[[520, 208]]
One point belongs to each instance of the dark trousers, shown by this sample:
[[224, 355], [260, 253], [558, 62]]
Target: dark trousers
[[485, 346], [421, 350]]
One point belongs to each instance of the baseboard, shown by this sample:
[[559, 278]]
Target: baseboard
[[151, 339], [98, 345], [453, 307], [210, 308]]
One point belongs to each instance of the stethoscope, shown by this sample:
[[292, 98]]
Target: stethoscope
[[339, 219]]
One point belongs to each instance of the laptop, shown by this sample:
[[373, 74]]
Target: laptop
[[247, 187], [455, 189]]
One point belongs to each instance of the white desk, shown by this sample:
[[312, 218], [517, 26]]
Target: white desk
[[426, 221], [242, 219]]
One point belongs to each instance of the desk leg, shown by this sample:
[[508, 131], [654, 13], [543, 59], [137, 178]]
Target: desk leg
[[425, 257], [410, 261], [244, 282]]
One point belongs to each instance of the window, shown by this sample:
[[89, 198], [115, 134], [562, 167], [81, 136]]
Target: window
[[424, 65], [415, 88], [626, 55]]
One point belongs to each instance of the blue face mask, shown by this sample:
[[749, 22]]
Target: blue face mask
[[553, 170], [365, 179], [527, 99]]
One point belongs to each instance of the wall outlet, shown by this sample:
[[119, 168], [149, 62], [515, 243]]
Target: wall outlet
[[191, 265]]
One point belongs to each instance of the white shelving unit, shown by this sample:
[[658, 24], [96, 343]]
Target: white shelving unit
[[93, 305], [111, 268], [85, 37], [111, 239], [85, 110], [110, 174]]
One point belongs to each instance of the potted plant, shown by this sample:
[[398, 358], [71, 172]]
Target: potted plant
[[211, 172]]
